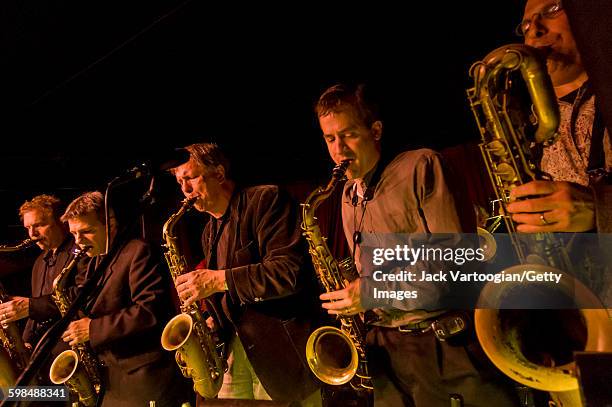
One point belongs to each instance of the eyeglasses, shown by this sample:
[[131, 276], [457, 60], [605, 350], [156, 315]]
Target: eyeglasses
[[550, 11]]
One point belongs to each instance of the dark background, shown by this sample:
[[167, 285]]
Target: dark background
[[91, 88]]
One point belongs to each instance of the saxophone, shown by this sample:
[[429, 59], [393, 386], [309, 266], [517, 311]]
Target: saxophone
[[78, 367], [511, 148], [16, 355], [20, 246], [335, 355], [187, 333]]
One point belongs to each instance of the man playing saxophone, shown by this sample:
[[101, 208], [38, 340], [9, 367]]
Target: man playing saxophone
[[127, 315], [580, 161], [581, 158], [410, 364], [255, 282], [41, 218]]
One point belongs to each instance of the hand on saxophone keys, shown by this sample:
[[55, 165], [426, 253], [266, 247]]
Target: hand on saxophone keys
[[198, 284], [77, 332], [15, 309], [344, 302], [552, 206]]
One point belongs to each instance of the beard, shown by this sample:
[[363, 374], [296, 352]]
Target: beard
[[562, 67], [42, 244]]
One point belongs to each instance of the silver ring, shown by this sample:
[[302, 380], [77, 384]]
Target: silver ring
[[543, 219]]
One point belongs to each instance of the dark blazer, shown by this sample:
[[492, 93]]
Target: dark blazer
[[128, 316], [272, 297], [43, 311]]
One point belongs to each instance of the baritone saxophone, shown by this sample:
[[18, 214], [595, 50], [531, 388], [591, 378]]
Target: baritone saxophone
[[512, 140]]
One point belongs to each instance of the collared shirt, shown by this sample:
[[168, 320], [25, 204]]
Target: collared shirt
[[568, 160], [412, 196], [42, 309], [51, 267]]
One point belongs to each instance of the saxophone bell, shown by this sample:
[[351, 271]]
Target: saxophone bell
[[177, 336], [542, 360], [335, 355], [512, 140], [77, 368], [187, 333], [67, 369], [332, 356]]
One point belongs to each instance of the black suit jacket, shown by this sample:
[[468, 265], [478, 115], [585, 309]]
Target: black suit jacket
[[132, 307], [272, 297], [128, 316]]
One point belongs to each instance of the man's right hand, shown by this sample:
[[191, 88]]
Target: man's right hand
[[199, 284], [15, 309]]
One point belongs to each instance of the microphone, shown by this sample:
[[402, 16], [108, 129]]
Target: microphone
[[155, 165]]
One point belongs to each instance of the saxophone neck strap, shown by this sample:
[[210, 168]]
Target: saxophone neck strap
[[371, 180]]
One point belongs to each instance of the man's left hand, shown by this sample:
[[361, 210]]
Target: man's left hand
[[77, 332], [552, 206], [199, 284], [344, 302]]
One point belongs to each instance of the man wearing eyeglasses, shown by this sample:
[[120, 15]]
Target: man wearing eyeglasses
[[580, 161]]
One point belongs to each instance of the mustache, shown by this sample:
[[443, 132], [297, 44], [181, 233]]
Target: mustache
[[346, 157]]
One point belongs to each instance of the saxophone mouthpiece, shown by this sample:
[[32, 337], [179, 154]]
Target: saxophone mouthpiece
[[340, 169], [79, 250], [188, 203]]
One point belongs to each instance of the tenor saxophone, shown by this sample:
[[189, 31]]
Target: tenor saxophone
[[511, 148], [187, 333], [16, 355], [335, 355], [77, 367]]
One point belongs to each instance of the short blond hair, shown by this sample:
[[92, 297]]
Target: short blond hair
[[86, 203], [49, 204]]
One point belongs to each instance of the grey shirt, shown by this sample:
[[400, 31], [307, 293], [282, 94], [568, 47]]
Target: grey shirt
[[412, 196]]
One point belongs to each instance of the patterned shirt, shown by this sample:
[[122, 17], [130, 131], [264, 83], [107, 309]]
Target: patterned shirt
[[568, 158]]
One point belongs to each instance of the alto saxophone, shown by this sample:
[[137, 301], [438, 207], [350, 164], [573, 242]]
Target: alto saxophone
[[17, 354], [511, 148], [78, 367], [335, 355], [187, 333]]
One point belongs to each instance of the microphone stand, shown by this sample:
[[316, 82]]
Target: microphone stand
[[84, 300]]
